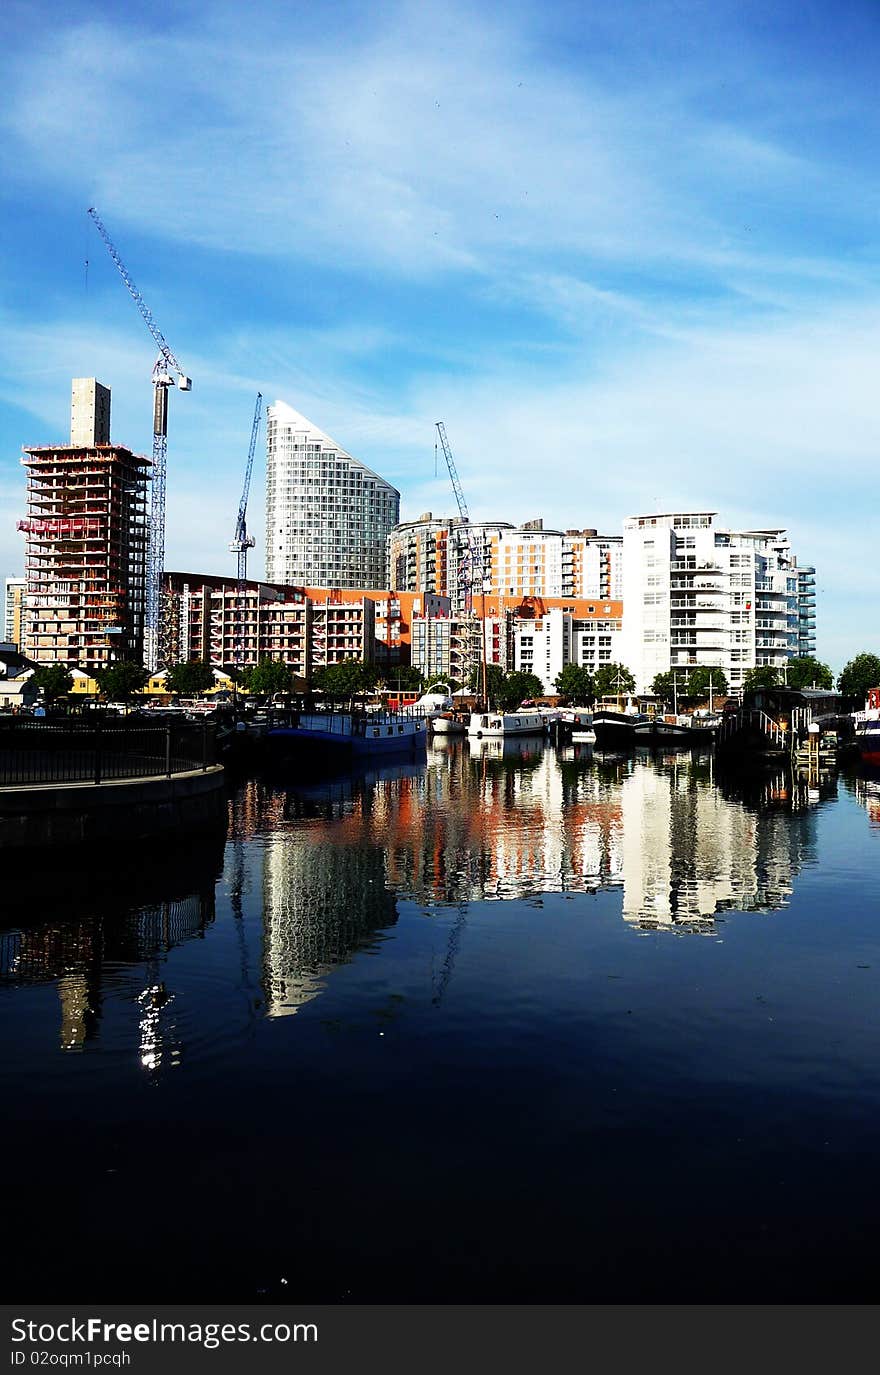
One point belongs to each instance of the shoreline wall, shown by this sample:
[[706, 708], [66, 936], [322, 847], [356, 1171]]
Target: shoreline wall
[[87, 813]]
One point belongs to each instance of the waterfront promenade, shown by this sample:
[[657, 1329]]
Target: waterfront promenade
[[67, 782]]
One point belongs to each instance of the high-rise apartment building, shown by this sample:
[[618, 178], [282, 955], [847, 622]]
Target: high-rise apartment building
[[86, 542], [806, 611], [447, 556], [328, 517], [593, 565], [698, 594], [13, 627]]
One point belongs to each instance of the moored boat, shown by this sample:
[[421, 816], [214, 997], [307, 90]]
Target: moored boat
[[343, 734], [497, 725], [867, 738], [448, 724], [659, 730], [614, 729]]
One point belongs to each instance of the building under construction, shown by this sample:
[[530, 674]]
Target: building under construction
[[86, 542]]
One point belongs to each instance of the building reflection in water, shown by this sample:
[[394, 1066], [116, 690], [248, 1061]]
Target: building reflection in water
[[317, 870], [695, 846], [324, 890], [867, 794], [92, 935], [489, 820]]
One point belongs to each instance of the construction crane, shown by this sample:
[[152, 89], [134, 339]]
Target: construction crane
[[470, 566], [470, 570], [243, 541], [165, 364]]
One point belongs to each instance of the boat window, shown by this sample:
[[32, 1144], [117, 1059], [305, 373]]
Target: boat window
[[390, 730], [400, 730], [376, 732]]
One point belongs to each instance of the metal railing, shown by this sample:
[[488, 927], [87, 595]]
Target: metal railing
[[758, 720], [66, 751]]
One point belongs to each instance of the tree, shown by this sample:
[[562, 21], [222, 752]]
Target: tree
[[518, 687], [494, 680], [576, 683], [189, 679], [698, 681], [52, 680], [858, 675], [404, 678], [614, 680], [346, 679], [268, 677], [121, 681], [662, 686], [765, 676], [808, 672]]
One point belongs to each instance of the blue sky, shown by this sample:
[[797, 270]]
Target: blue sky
[[627, 253]]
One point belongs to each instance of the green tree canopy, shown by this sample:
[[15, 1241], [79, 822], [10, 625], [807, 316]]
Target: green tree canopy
[[189, 679], [859, 674], [614, 680], [494, 681], [347, 679], [764, 676], [52, 680], [268, 677], [403, 678], [807, 672], [698, 680], [518, 687], [662, 686], [576, 683], [121, 681]]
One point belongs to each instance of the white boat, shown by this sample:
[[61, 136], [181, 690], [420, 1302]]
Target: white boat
[[495, 725], [447, 724], [431, 706]]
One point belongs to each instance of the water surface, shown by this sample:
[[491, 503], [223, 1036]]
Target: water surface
[[513, 1025]]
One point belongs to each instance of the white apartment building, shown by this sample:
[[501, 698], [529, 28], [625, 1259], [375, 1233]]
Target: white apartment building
[[545, 645], [695, 593], [328, 517], [596, 565], [13, 627]]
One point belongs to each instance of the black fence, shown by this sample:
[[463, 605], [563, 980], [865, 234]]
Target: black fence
[[74, 751]]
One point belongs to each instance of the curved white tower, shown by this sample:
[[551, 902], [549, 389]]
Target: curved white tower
[[328, 516]]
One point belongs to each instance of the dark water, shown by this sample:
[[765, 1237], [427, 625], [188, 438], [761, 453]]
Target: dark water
[[530, 1027]]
